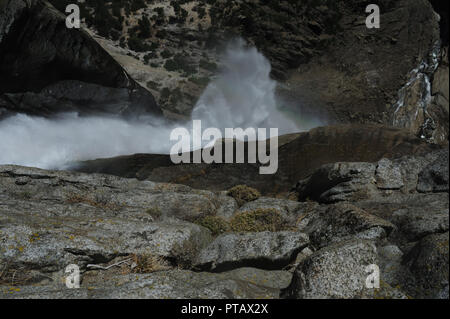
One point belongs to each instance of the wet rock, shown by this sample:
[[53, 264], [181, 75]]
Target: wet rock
[[300, 155], [438, 110], [265, 250]]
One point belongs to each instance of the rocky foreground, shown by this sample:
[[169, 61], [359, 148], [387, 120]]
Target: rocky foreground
[[345, 197], [141, 239]]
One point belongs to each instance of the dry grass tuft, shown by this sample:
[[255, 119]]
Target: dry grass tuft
[[243, 194], [258, 220], [147, 263]]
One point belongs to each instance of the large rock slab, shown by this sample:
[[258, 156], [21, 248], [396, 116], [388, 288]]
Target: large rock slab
[[337, 271], [177, 284], [357, 181], [434, 177], [341, 222], [428, 263], [265, 250], [49, 219], [47, 68], [414, 215]]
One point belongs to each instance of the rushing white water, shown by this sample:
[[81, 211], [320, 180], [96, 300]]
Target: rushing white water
[[242, 95], [51, 143], [418, 76]]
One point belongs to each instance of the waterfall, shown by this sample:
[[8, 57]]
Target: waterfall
[[420, 76], [242, 95]]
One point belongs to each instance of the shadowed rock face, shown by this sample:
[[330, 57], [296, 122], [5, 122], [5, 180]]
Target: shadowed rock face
[[441, 7], [330, 64], [47, 68], [299, 156]]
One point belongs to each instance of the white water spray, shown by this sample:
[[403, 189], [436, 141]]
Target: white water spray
[[421, 77], [243, 95]]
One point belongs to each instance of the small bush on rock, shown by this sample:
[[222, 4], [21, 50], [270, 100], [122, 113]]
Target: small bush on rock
[[258, 220], [217, 225], [155, 212], [148, 263], [243, 194]]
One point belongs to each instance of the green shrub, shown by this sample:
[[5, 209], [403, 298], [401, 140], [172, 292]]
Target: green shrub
[[166, 54], [144, 28], [179, 63], [153, 85], [138, 45]]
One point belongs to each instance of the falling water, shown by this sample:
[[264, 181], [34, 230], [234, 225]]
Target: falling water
[[242, 95]]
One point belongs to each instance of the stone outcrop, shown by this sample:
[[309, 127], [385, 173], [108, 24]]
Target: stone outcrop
[[428, 262], [298, 157], [348, 181], [177, 284], [338, 271], [340, 222], [47, 68], [270, 250]]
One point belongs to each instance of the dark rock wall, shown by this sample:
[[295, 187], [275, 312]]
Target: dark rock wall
[[441, 7], [38, 51]]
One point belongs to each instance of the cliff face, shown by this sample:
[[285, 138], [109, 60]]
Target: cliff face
[[47, 68], [321, 52], [441, 7]]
